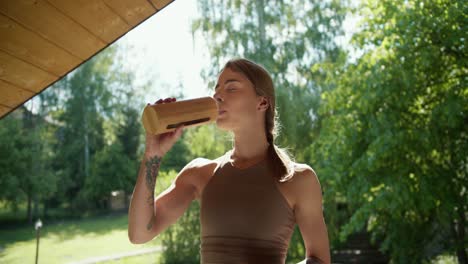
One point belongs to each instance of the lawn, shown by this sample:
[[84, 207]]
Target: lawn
[[142, 259], [72, 241]]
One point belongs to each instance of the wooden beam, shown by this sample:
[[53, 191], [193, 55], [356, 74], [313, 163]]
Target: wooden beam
[[22, 74], [46, 20], [13, 96], [134, 12], [160, 4], [28, 46], [95, 16]]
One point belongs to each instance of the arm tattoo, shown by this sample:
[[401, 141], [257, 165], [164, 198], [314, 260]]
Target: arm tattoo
[[152, 171]]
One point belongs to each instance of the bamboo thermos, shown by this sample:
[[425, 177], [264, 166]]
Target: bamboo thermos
[[162, 118]]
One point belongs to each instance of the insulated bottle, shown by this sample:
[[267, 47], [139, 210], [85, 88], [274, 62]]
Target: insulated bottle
[[162, 118]]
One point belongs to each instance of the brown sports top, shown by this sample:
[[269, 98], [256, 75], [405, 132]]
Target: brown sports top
[[244, 216]]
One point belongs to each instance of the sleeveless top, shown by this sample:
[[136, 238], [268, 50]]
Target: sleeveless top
[[244, 217]]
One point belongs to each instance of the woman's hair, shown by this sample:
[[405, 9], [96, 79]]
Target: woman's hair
[[263, 85]]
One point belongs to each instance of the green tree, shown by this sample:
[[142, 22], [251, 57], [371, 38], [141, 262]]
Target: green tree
[[110, 171], [41, 182], [181, 241], [128, 134], [26, 174], [394, 142], [88, 98], [14, 159], [206, 141]]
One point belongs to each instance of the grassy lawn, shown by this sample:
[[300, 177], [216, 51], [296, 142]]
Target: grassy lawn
[[143, 259], [73, 240]]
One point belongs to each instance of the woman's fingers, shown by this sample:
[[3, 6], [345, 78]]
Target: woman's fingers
[[166, 100]]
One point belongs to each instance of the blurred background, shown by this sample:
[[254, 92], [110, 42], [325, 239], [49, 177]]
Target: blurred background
[[371, 94]]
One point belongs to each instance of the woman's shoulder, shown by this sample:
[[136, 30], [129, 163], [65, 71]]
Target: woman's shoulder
[[201, 170], [301, 172], [204, 166], [201, 163], [304, 177], [302, 167], [303, 180]]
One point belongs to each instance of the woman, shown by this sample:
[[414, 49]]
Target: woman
[[251, 197]]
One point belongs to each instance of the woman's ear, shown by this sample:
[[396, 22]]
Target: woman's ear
[[263, 104]]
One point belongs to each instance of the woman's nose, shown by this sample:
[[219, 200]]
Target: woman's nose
[[217, 97]]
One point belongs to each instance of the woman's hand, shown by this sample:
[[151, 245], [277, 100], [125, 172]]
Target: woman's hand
[[160, 144]]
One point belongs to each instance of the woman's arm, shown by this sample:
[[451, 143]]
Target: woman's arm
[[141, 211], [149, 216], [309, 217]]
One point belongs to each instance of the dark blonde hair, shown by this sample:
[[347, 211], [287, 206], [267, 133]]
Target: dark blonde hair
[[263, 85]]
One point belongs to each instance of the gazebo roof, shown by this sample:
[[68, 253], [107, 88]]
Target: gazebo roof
[[43, 40]]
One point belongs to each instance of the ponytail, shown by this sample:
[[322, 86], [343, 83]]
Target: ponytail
[[283, 165]]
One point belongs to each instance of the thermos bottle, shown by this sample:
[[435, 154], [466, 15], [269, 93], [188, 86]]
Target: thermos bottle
[[162, 118]]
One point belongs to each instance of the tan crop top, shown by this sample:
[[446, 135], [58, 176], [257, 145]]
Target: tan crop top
[[244, 216]]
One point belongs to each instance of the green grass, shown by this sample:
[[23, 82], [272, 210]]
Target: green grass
[[143, 259], [68, 241], [71, 241]]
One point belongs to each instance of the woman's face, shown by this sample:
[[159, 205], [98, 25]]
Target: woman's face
[[237, 101]]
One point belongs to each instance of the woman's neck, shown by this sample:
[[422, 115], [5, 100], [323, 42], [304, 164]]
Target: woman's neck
[[249, 148]]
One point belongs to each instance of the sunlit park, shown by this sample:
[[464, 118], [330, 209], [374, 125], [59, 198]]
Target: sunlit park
[[371, 94]]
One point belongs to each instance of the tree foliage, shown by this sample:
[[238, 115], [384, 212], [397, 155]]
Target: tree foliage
[[395, 138], [25, 160]]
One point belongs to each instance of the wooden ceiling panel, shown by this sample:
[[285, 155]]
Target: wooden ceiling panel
[[50, 23], [28, 46], [160, 4], [90, 13], [22, 74], [4, 110], [43, 40], [132, 11], [12, 96]]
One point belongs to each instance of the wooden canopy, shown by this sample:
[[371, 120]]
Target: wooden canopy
[[42, 40]]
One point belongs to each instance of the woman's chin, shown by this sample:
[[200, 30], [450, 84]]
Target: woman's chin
[[221, 124]]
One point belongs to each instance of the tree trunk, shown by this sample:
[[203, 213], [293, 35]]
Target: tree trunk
[[28, 214], [260, 5], [125, 199], [86, 147], [459, 230], [35, 213], [44, 209]]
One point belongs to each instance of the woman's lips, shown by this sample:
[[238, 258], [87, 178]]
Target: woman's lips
[[220, 112]]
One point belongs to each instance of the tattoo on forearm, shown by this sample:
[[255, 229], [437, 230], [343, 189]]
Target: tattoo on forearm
[[152, 171]]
